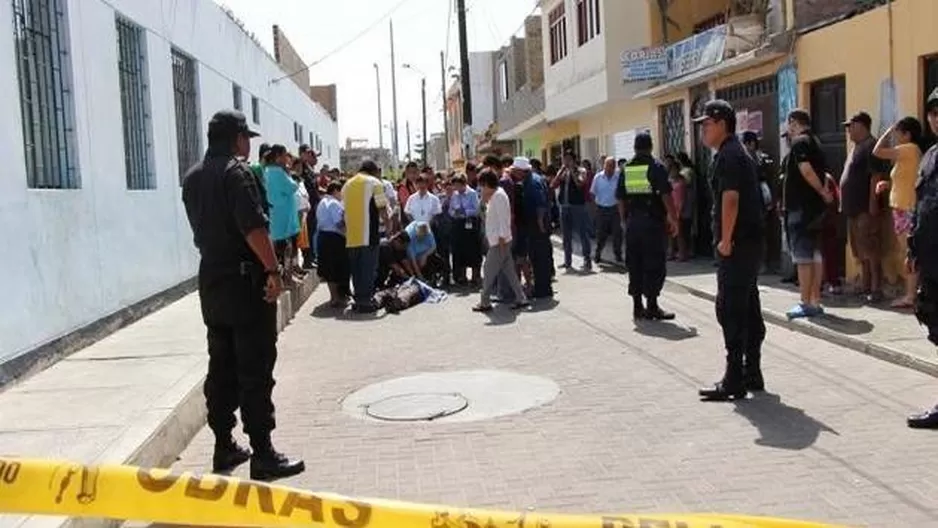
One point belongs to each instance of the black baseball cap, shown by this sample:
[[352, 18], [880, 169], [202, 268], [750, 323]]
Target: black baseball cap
[[718, 110], [229, 123], [643, 142], [860, 117], [305, 148], [932, 102]]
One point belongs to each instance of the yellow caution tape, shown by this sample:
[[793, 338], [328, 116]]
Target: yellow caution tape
[[44, 487]]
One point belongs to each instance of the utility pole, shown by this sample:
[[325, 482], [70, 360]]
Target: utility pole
[[423, 99], [445, 109], [408, 141], [464, 63], [380, 120], [394, 140]]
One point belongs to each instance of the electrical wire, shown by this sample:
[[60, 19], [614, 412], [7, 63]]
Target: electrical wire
[[345, 44]]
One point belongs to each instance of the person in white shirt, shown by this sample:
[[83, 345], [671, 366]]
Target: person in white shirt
[[498, 260], [423, 205]]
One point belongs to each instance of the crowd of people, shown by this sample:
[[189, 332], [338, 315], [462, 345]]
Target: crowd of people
[[490, 226]]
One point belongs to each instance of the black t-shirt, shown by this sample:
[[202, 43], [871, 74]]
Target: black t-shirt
[[798, 194], [734, 170], [223, 203], [855, 182]]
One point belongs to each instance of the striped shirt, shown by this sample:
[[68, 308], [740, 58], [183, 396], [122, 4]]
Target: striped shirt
[[363, 196]]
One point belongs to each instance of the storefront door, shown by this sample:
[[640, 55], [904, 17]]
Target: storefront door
[[756, 105]]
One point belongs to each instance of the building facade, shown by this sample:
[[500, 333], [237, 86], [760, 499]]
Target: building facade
[[519, 77], [106, 107], [357, 151]]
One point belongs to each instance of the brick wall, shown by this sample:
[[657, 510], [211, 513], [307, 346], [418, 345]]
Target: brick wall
[[812, 12], [534, 51], [326, 96], [289, 60]]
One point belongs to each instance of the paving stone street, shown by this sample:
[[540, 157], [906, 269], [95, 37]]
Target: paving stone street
[[626, 433]]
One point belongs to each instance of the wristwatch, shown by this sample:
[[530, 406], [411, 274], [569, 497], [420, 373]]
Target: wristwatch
[[276, 271]]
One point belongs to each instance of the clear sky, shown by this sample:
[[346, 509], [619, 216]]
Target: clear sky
[[317, 27]]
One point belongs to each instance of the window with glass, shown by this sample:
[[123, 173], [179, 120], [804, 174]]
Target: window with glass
[[557, 20]]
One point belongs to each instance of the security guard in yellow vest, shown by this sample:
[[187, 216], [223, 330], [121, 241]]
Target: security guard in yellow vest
[[647, 209]]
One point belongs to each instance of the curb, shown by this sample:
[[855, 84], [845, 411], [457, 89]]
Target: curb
[[881, 352], [157, 441]]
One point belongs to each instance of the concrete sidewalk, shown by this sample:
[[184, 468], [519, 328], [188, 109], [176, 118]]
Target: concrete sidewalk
[[134, 397], [879, 331]]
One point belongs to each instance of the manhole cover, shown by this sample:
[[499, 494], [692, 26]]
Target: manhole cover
[[416, 407], [446, 396]]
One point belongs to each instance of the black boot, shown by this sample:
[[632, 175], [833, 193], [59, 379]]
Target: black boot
[[228, 455], [730, 388], [268, 464], [752, 375], [638, 310], [655, 313], [924, 420]]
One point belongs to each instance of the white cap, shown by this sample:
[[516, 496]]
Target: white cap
[[521, 163]]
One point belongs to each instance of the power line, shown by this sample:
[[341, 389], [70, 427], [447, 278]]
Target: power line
[[346, 43]]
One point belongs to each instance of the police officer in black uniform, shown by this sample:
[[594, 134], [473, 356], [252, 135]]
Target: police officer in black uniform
[[239, 282], [923, 249], [738, 231], [647, 209], [768, 183]]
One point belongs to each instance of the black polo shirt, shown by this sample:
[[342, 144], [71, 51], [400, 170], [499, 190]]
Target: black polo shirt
[[223, 203], [797, 193], [734, 170]]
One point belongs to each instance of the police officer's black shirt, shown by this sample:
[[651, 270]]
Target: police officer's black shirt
[[923, 239], [224, 203], [660, 185], [798, 194], [734, 170]]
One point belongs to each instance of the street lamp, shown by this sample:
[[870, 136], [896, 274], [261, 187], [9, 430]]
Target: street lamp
[[423, 103]]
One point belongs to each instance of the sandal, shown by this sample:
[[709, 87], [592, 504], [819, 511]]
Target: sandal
[[902, 302]]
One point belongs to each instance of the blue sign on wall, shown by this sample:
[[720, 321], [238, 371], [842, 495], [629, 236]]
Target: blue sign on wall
[[645, 64], [697, 52]]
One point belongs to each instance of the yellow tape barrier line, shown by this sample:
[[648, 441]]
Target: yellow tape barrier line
[[47, 487]]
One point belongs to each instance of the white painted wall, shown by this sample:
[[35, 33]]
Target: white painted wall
[[74, 256], [482, 80], [578, 81]]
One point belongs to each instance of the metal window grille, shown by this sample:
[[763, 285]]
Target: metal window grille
[[256, 110], [185, 94], [135, 105], [312, 141], [40, 31], [671, 117], [236, 97]]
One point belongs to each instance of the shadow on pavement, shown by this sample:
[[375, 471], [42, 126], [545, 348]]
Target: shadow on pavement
[[543, 305], [781, 426], [326, 311], [502, 315], [842, 325], [665, 330]]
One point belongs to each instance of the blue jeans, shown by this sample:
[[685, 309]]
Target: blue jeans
[[575, 218], [363, 262]]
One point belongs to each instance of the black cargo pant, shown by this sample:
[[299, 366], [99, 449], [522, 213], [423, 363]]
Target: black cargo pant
[[242, 349], [739, 310], [645, 254]]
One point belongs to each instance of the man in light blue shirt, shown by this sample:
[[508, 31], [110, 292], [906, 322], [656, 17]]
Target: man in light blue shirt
[[421, 245], [464, 210], [603, 191]]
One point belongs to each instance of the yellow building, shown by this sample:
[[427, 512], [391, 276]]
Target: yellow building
[[842, 69]]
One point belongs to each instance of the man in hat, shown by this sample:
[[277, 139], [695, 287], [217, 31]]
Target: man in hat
[[738, 231], [533, 221], [647, 209], [923, 248], [239, 283]]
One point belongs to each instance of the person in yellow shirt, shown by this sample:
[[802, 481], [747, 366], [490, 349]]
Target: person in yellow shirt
[[906, 135]]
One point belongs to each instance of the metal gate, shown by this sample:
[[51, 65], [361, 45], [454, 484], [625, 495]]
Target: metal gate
[[828, 112], [758, 96], [671, 124]]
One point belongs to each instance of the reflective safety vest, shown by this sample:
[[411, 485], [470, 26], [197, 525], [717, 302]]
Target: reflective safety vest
[[636, 180]]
